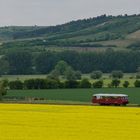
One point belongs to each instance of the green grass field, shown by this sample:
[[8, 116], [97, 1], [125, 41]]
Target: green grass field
[[75, 95]]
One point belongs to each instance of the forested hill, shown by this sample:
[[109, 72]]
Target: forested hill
[[102, 31]]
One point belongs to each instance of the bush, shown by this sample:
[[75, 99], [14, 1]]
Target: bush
[[16, 84], [109, 85], [61, 85], [52, 84], [85, 83], [137, 83], [70, 74], [126, 84], [71, 84], [78, 75], [29, 84], [96, 75], [138, 76], [117, 74], [39, 84], [35, 84], [115, 83], [54, 75], [3, 90], [98, 84]]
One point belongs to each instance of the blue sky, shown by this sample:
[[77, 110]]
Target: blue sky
[[52, 12]]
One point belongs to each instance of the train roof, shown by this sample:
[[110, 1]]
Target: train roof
[[111, 95]]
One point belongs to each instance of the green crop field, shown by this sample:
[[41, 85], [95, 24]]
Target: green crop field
[[75, 95]]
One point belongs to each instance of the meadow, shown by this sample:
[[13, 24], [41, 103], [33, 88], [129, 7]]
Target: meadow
[[127, 77], [73, 96], [56, 122]]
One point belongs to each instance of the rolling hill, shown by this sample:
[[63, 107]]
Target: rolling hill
[[116, 32]]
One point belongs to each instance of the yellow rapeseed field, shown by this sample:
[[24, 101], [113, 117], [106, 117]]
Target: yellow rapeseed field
[[52, 122]]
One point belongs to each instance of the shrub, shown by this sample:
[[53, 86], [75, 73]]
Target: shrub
[[70, 74], [52, 84], [98, 84], [29, 84], [138, 76], [117, 74], [54, 75], [71, 84], [137, 83], [39, 83], [115, 83], [109, 85], [78, 75], [61, 85], [96, 75], [3, 90], [85, 83], [16, 84], [35, 84], [126, 84]]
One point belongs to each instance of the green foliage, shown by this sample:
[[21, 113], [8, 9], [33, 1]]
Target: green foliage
[[35, 84], [20, 62], [96, 75], [4, 66], [115, 83], [78, 75], [126, 84], [71, 84], [98, 84], [52, 84], [45, 62], [84, 83], [76, 33], [70, 74], [138, 69], [117, 74], [134, 46], [61, 67], [54, 75], [86, 62], [3, 90], [5, 82], [137, 83], [138, 75], [16, 84]]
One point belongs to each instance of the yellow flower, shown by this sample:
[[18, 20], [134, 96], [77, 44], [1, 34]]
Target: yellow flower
[[56, 122]]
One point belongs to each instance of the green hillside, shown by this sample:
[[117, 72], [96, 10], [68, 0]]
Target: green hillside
[[120, 32]]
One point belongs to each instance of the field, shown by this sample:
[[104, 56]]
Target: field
[[73, 95], [40, 122], [127, 77]]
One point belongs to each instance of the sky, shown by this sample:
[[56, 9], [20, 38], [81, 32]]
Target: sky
[[53, 12]]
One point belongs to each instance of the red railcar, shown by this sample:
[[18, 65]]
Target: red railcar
[[110, 99]]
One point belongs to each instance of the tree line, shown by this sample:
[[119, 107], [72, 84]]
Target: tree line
[[47, 83], [25, 62]]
